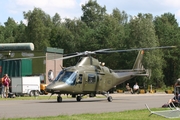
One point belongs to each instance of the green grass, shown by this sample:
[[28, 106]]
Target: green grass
[[125, 115]]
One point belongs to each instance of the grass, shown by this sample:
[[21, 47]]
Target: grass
[[125, 115]]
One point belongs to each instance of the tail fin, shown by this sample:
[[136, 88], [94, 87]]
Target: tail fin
[[138, 63]]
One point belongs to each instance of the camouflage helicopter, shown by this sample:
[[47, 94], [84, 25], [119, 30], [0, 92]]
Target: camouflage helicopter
[[90, 77]]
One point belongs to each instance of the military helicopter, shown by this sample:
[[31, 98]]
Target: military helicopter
[[90, 77]]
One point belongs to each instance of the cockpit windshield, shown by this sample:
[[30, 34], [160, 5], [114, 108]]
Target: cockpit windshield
[[67, 77]]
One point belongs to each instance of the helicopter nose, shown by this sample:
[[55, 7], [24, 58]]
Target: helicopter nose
[[55, 87], [49, 88]]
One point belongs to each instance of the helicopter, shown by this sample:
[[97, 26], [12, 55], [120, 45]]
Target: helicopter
[[90, 77]]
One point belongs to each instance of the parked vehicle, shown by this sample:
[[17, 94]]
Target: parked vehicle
[[25, 85]]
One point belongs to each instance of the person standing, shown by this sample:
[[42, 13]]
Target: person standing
[[2, 87], [177, 82], [6, 83]]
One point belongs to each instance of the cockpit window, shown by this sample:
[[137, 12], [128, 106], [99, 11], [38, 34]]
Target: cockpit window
[[67, 77], [59, 75]]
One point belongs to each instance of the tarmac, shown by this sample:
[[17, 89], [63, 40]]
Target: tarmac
[[69, 106]]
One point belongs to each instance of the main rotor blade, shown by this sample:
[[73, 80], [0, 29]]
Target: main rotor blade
[[86, 52], [67, 57], [103, 50], [127, 50], [106, 51], [70, 54]]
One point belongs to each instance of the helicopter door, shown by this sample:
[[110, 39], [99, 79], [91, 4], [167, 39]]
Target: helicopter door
[[90, 82], [107, 83], [79, 85]]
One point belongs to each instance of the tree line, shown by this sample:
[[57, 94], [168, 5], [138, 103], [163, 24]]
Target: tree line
[[96, 29]]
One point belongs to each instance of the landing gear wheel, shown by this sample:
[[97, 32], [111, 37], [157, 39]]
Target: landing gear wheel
[[42, 92], [31, 93], [59, 99], [109, 99], [78, 98], [36, 93]]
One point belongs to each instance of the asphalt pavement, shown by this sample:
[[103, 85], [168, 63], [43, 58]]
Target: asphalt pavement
[[121, 101]]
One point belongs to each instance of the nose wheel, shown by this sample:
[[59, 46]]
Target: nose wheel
[[78, 98], [59, 98]]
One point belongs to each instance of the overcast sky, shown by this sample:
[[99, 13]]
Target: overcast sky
[[72, 8]]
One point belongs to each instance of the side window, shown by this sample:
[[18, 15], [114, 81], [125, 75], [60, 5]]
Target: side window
[[98, 67], [80, 79], [91, 78]]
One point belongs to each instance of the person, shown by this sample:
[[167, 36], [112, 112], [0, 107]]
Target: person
[[50, 75], [177, 82], [136, 87], [129, 88], [2, 87], [6, 83], [175, 100]]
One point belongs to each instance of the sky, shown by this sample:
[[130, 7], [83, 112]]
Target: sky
[[72, 8]]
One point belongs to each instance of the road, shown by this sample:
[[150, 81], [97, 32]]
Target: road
[[38, 108]]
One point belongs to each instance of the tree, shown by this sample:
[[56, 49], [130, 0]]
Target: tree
[[93, 13], [38, 28], [142, 34], [168, 33], [10, 30], [122, 17], [20, 35], [56, 20], [56, 31], [1, 33]]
